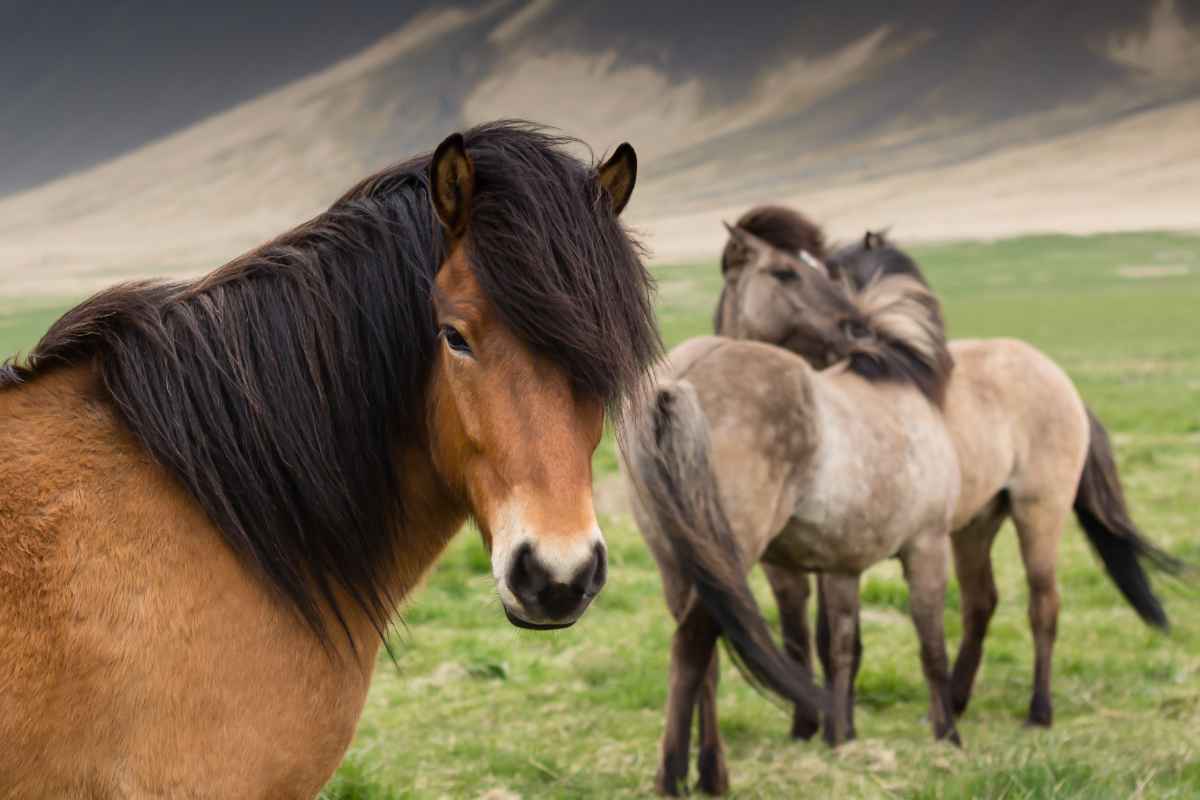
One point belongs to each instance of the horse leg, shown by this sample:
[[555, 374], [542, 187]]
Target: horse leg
[[714, 777], [1039, 527], [791, 595], [839, 593], [823, 643], [977, 585], [924, 562], [693, 649]]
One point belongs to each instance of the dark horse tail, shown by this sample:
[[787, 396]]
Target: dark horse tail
[[673, 472], [1100, 507]]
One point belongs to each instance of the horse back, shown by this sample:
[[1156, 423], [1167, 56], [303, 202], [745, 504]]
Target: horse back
[[756, 399]]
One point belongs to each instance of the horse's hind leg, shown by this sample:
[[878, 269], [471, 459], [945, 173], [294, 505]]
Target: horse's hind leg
[[714, 777], [977, 586], [692, 651], [791, 595], [924, 563], [839, 594], [1039, 528]]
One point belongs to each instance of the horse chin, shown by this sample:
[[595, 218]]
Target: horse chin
[[536, 626]]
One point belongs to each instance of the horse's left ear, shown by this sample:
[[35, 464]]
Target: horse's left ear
[[873, 240], [452, 182], [617, 176]]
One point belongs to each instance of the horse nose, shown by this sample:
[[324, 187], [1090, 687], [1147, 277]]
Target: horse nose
[[546, 598]]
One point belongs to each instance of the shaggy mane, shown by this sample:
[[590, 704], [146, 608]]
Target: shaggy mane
[[277, 388], [907, 337]]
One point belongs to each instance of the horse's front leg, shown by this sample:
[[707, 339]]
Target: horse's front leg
[[790, 588], [839, 597], [925, 570]]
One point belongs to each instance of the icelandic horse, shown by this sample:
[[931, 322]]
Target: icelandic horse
[[214, 494]]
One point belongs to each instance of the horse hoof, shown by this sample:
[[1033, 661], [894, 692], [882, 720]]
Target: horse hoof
[[832, 740], [714, 778], [804, 729], [1041, 715], [669, 785]]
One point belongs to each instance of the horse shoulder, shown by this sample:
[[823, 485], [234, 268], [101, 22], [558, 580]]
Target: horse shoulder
[[139, 651]]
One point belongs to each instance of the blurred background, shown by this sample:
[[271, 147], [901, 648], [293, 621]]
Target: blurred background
[[146, 137]]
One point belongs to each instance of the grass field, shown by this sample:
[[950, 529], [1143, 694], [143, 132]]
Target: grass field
[[474, 707]]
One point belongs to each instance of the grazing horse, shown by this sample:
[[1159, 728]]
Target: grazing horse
[[214, 494], [1028, 447], [747, 453]]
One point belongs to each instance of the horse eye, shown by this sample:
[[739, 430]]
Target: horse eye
[[784, 275], [455, 340]]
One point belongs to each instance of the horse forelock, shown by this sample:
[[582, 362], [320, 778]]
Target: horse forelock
[[277, 389]]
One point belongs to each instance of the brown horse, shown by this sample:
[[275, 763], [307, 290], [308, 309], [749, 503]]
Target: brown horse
[[214, 495], [1028, 447], [749, 454]]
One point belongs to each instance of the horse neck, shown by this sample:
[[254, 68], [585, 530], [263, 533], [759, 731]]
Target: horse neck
[[433, 514]]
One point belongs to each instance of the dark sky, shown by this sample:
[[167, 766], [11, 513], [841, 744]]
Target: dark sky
[[84, 80]]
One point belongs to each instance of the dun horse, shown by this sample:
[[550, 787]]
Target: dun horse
[[213, 495], [1027, 446], [747, 453]]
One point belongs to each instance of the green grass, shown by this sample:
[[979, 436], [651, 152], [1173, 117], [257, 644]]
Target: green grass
[[473, 706]]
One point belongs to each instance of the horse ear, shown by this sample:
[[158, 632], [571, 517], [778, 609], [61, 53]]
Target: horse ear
[[873, 240], [617, 176], [452, 182]]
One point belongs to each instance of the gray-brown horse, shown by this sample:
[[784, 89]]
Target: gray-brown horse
[[1028, 447], [747, 453]]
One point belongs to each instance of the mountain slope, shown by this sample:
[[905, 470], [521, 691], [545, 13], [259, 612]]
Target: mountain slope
[[944, 122]]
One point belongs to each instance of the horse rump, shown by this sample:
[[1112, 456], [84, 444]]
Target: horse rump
[[672, 470]]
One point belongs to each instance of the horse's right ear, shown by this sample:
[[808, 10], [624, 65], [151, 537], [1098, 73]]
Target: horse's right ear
[[452, 184], [617, 176]]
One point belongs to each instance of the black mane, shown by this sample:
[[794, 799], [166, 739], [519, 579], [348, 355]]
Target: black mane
[[277, 388]]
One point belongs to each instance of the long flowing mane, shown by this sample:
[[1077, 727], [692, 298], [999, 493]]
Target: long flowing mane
[[893, 328], [278, 388]]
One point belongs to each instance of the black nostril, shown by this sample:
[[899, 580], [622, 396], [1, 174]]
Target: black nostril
[[590, 580], [527, 577]]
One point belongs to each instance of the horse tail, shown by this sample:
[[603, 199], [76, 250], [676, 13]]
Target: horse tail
[[1104, 516], [672, 471]]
